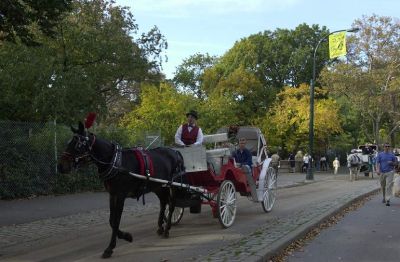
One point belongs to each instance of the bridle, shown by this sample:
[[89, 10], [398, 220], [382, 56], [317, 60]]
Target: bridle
[[83, 147]]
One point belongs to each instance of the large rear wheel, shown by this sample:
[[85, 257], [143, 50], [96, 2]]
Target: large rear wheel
[[226, 203], [270, 190]]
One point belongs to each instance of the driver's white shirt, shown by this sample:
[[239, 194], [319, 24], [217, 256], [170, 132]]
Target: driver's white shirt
[[178, 136]]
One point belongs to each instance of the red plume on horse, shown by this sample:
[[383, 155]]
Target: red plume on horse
[[90, 118]]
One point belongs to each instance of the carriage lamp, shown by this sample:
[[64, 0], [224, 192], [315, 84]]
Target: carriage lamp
[[310, 171]]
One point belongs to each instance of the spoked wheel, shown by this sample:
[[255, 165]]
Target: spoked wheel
[[176, 216], [270, 189], [226, 203]]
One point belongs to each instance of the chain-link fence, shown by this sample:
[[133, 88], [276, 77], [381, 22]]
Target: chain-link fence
[[29, 153]]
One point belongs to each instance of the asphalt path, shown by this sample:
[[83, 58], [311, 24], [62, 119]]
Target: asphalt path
[[84, 237], [369, 234], [44, 207]]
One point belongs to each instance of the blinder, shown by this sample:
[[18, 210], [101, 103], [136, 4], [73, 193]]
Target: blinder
[[80, 150]]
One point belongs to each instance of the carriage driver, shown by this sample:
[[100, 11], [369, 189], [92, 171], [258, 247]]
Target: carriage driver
[[189, 133]]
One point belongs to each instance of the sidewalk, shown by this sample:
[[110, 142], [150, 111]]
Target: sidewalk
[[368, 234], [286, 179]]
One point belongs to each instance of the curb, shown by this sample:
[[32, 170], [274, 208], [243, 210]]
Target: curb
[[300, 232]]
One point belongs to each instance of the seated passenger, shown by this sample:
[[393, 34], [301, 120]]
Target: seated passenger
[[189, 133], [242, 155]]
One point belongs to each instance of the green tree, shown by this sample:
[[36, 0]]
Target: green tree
[[189, 75], [369, 76], [218, 111], [18, 18], [273, 59], [286, 125], [247, 92], [94, 63], [166, 114]]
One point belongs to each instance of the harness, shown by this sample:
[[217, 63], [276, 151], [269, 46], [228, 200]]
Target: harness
[[145, 162], [115, 164], [84, 148], [145, 167]]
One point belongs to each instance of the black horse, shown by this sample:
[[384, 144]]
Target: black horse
[[114, 165]]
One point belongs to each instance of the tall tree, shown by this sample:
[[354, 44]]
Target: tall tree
[[95, 62], [369, 75], [189, 75], [286, 125], [276, 59], [19, 17], [164, 116]]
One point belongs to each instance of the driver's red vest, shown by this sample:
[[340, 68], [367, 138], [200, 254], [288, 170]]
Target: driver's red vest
[[189, 138]]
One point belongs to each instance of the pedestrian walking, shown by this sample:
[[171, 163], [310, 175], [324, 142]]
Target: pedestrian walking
[[306, 162], [322, 162], [336, 165], [354, 164], [299, 161], [385, 164], [292, 163]]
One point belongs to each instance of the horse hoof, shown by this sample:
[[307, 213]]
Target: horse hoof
[[128, 237], [107, 253], [160, 231], [166, 234]]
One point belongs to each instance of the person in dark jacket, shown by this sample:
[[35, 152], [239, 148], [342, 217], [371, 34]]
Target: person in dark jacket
[[190, 133], [242, 155], [292, 163]]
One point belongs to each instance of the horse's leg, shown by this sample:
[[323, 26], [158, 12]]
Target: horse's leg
[[116, 208], [163, 204], [171, 205]]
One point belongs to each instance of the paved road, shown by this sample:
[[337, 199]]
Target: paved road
[[83, 235], [369, 234], [43, 207]]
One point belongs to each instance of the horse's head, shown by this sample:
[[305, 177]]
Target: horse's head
[[77, 151]]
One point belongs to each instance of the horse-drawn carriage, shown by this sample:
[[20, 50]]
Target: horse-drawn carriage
[[367, 153], [180, 177], [216, 174]]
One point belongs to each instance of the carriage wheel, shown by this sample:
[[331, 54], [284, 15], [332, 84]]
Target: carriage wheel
[[176, 216], [270, 190], [226, 203]]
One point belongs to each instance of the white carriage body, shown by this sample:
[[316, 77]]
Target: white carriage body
[[197, 158], [194, 158]]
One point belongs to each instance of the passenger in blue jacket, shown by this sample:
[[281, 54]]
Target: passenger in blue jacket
[[242, 155]]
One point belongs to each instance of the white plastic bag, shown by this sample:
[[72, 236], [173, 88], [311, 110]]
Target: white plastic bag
[[396, 185]]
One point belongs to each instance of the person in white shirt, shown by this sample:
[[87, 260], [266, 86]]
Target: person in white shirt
[[189, 134], [306, 162], [336, 165]]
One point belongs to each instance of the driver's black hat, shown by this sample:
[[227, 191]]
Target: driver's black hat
[[192, 113]]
